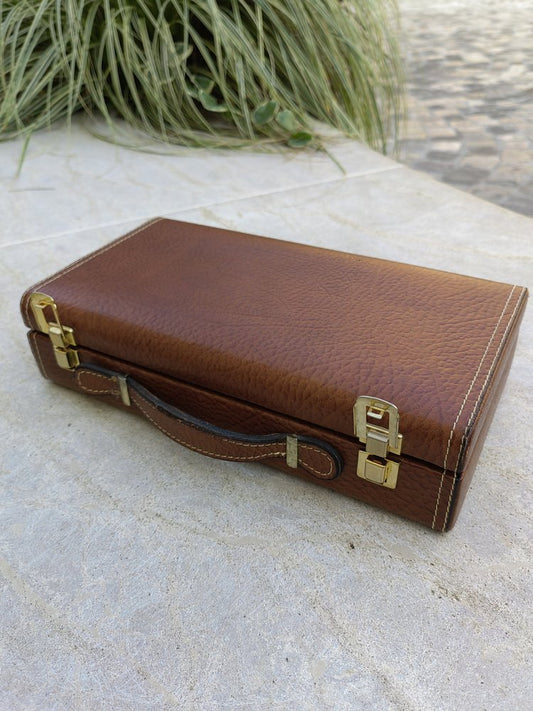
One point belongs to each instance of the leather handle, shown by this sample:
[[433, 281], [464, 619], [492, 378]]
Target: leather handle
[[315, 456]]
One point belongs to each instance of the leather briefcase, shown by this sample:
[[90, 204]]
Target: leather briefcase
[[372, 378]]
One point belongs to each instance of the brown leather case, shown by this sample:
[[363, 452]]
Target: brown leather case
[[254, 349]]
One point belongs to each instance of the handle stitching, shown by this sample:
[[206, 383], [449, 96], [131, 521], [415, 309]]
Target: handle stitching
[[323, 454], [310, 448], [80, 373], [135, 396], [197, 449]]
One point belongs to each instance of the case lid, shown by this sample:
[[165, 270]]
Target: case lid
[[299, 330]]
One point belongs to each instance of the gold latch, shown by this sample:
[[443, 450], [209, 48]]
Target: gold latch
[[62, 337], [376, 424]]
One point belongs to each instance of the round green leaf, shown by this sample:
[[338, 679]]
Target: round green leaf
[[287, 120], [300, 139], [203, 83], [210, 103], [192, 91], [265, 113]]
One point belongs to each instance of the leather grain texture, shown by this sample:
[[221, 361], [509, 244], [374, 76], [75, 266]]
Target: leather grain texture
[[302, 332]]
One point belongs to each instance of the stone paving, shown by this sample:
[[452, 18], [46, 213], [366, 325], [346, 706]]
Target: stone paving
[[470, 96]]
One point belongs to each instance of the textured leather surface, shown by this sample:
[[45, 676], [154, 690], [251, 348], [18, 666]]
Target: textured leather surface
[[296, 329], [302, 332]]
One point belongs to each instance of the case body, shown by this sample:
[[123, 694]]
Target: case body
[[379, 379]]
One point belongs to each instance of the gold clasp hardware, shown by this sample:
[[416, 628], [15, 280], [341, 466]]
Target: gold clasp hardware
[[291, 455], [376, 424], [62, 337], [122, 381]]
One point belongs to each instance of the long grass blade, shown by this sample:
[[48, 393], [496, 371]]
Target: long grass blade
[[195, 72]]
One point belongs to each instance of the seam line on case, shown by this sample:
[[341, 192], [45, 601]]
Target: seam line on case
[[83, 260], [482, 390], [452, 432]]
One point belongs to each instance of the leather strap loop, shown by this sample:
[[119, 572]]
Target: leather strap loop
[[315, 456]]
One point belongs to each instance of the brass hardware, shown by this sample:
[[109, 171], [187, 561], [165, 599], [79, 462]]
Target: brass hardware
[[291, 455], [61, 337], [122, 381], [383, 472], [380, 439]]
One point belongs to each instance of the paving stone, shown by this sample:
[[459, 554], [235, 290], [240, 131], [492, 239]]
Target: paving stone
[[462, 124], [474, 57], [448, 147], [514, 156], [441, 133], [451, 118], [501, 112], [481, 162], [491, 193], [480, 117], [522, 204], [514, 173], [442, 155], [514, 71], [469, 71], [465, 176], [433, 167], [437, 129], [498, 129], [482, 150]]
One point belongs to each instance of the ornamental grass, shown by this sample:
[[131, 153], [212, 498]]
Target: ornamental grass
[[204, 72]]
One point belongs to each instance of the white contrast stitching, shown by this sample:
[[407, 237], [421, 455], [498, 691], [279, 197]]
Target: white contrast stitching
[[494, 361], [83, 260], [136, 397], [452, 432], [318, 451], [80, 373], [197, 449]]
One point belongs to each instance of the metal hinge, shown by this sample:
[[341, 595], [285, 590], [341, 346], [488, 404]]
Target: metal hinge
[[376, 424], [62, 337]]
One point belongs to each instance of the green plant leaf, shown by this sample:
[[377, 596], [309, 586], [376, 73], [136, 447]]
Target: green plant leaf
[[23, 152], [287, 120], [203, 83], [210, 103], [265, 113], [300, 139], [192, 91]]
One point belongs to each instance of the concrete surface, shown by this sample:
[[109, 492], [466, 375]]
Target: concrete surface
[[138, 575], [470, 101]]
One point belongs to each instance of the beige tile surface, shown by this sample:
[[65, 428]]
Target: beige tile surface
[[69, 180], [139, 575]]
